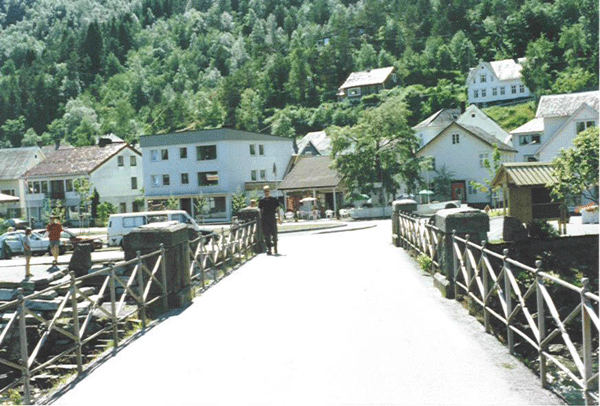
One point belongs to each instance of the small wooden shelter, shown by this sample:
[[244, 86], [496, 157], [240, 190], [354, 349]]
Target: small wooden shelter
[[526, 188]]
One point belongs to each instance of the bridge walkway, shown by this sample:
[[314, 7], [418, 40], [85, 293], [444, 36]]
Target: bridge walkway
[[338, 319]]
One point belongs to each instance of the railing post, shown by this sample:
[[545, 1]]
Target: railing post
[[140, 282], [201, 262], [455, 262], [163, 275], [486, 288], [586, 331], [113, 309], [509, 304], [469, 270], [24, 351], [76, 321], [541, 317]]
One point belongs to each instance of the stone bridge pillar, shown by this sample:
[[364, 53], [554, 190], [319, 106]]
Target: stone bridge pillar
[[404, 205], [252, 214], [461, 221], [175, 238]]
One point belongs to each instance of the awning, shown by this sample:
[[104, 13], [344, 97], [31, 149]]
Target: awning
[[4, 198]]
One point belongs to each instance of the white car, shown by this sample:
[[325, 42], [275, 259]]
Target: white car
[[39, 244]]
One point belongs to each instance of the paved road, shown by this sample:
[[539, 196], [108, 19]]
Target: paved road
[[338, 319]]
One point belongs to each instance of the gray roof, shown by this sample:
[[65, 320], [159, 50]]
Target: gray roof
[[319, 139], [508, 69], [441, 118], [561, 105], [214, 135], [525, 174], [76, 161], [311, 173], [14, 162], [489, 139], [367, 78]]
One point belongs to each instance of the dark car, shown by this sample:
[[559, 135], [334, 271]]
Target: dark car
[[17, 224], [71, 239]]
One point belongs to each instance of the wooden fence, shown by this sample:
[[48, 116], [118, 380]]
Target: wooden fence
[[125, 291], [209, 257], [534, 307]]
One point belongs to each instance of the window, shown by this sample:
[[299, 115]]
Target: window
[[253, 175], [263, 174], [261, 149], [133, 183], [584, 125], [206, 152], [482, 78], [132, 160], [166, 181], [524, 139], [475, 94], [208, 178], [536, 138], [494, 91], [154, 155], [455, 138], [155, 180], [252, 149], [513, 89], [120, 161], [472, 190], [44, 186], [183, 152], [185, 179], [483, 92], [69, 185], [355, 91], [130, 222], [530, 158], [36, 187], [521, 88], [432, 163], [164, 154], [123, 207], [482, 159]]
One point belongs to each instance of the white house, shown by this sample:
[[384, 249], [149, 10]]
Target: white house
[[213, 165], [114, 170], [492, 82], [557, 121], [462, 147], [315, 143], [359, 84], [14, 163]]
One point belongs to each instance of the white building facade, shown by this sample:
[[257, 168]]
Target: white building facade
[[497, 81], [204, 169], [14, 163]]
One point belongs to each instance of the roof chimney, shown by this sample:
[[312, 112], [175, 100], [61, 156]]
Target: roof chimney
[[462, 106]]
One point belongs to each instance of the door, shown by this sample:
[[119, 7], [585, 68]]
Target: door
[[458, 190]]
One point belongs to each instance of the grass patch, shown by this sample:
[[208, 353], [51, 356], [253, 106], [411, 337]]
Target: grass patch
[[511, 117]]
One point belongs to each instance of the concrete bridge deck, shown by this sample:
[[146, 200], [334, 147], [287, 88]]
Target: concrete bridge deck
[[338, 319]]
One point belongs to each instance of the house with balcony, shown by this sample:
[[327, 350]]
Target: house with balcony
[[14, 163], [204, 169], [558, 119], [113, 169], [360, 84], [496, 81]]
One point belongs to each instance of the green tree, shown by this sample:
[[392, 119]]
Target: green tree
[[238, 201], [379, 149], [105, 209], [576, 168], [492, 168], [249, 114]]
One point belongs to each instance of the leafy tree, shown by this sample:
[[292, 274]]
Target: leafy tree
[[492, 168], [105, 209], [576, 168], [442, 183], [249, 114], [238, 201], [380, 148]]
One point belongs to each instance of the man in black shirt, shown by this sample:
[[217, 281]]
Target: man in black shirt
[[268, 206]]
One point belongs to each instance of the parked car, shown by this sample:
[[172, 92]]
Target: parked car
[[17, 224], [70, 239], [39, 243]]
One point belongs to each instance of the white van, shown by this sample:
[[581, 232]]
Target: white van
[[121, 224]]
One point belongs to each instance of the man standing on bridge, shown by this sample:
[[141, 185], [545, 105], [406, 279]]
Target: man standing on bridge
[[268, 206]]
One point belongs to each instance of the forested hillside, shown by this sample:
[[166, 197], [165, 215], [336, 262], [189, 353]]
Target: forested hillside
[[73, 69]]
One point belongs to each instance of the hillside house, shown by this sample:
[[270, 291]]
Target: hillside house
[[213, 165], [14, 163], [496, 81], [114, 170], [315, 143], [557, 121], [363, 83]]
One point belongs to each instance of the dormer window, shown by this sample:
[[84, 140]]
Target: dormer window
[[483, 78], [355, 91], [455, 138]]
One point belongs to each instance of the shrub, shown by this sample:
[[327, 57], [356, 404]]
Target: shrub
[[541, 230], [424, 262]]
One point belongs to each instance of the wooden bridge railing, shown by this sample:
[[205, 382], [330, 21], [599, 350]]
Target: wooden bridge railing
[[520, 298], [133, 278]]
